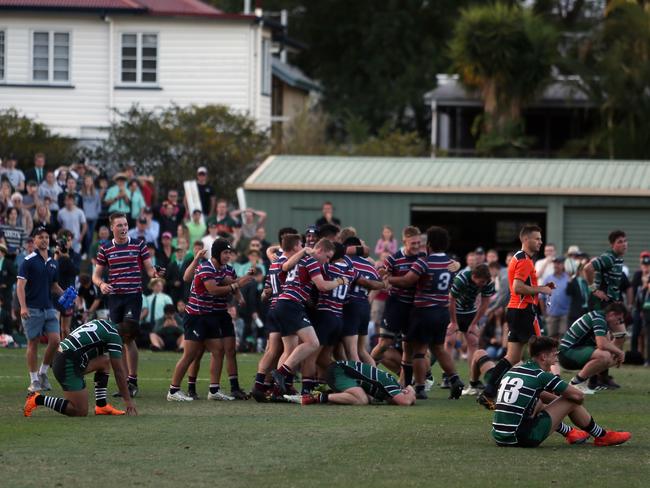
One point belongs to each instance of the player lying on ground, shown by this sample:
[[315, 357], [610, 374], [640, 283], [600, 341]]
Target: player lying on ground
[[82, 352], [522, 418], [356, 383]]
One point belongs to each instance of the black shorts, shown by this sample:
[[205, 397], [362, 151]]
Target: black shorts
[[291, 317], [428, 325], [328, 327], [224, 324], [271, 324], [121, 307], [200, 327], [396, 317], [356, 316], [522, 324], [464, 320]]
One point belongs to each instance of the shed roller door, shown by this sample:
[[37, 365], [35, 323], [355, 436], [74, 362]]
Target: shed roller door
[[589, 228]]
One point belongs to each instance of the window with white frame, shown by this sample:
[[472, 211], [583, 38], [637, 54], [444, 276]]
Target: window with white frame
[[2, 55], [139, 62], [266, 67], [51, 57]]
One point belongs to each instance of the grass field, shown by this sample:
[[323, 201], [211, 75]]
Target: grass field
[[437, 442]]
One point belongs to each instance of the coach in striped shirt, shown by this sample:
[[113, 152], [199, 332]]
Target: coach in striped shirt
[[124, 258]]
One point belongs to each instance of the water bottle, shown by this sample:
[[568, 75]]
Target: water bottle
[[67, 299]]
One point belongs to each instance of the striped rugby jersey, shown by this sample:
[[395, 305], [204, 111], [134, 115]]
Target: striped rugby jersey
[[365, 269], [298, 284], [399, 264], [583, 331], [375, 382], [124, 262], [432, 289], [201, 302], [609, 272], [333, 300], [519, 391], [465, 291], [91, 340], [275, 279], [522, 268], [224, 273]]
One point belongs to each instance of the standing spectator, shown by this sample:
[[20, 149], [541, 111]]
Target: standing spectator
[[70, 189], [387, 242], [153, 309], [196, 226], [37, 173], [137, 200], [578, 291], [12, 231], [31, 199], [92, 207], [254, 261], [152, 224], [492, 256], [142, 231], [544, 267], [7, 278], [50, 189], [479, 256], [174, 275], [68, 272], [118, 196], [72, 218], [639, 285], [89, 299], [167, 220], [328, 216], [250, 221], [206, 192], [15, 176], [103, 237], [179, 208], [209, 239], [24, 217], [165, 252], [223, 220], [557, 307], [5, 193], [27, 249], [37, 280], [43, 218], [61, 175]]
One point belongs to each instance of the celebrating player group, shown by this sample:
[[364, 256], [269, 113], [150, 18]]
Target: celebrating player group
[[318, 288]]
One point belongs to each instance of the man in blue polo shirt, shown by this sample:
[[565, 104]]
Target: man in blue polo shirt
[[37, 280]]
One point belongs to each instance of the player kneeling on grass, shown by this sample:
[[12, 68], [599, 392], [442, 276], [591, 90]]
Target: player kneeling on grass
[[82, 352], [521, 417], [356, 383]]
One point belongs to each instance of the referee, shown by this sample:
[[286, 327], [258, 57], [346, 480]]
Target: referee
[[124, 258], [37, 279]]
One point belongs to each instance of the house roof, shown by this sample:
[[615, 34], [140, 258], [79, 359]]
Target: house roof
[[562, 92], [293, 76], [194, 8], [452, 175]]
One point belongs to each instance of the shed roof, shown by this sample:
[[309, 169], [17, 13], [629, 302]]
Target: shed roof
[[293, 76], [452, 175]]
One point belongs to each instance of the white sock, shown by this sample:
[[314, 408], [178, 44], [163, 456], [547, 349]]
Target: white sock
[[33, 376], [44, 368]]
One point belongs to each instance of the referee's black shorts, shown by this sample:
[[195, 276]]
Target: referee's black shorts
[[522, 324]]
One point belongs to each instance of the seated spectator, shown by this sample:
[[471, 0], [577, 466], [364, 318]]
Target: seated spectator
[[137, 200], [387, 242], [89, 298], [196, 226], [143, 232], [169, 335], [118, 196], [254, 261], [72, 218], [5, 193], [70, 189], [31, 199], [153, 305], [180, 311], [24, 217], [13, 233], [50, 189], [103, 236], [174, 275], [328, 216]]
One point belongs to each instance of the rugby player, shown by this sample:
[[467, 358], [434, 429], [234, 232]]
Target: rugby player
[[291, 314], [587, 347], [357, 383], [604, 273], [522, 420], [432, 279], [521, 312], [83, 352], [124, 258], [463, 313]]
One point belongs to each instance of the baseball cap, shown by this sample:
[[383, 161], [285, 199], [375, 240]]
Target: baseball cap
[[559, 259], [644, 254], [167, 234], [312, 229], [142, 221], [197, 210], [202, 169], [39, 230], [147, 210], [573, 250], [645, 260], [479, 250]]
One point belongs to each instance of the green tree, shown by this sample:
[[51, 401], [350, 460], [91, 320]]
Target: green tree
[[24, 137], [171, 143], [506, 53]]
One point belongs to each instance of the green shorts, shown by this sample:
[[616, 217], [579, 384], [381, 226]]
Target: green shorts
[[67, 372], [575, 357], [338, 380], [534, 430]]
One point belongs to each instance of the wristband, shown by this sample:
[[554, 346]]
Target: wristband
[[618, 335], [593, 287]]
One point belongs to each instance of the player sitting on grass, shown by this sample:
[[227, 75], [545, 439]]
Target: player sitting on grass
[[356, 383], [522, 418], [82, 352]]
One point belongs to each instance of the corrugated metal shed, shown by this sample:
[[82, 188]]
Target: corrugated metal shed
[[453, 175]]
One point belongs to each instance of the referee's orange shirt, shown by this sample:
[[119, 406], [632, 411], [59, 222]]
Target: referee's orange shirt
[[522, 268]]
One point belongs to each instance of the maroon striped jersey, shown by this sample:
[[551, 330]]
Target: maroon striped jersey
[[124, 262]]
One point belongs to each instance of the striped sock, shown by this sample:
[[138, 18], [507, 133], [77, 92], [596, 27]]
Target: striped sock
[[101, 388], [173, 389], [133, 379], [234, 382], [214, 387], [57, 404], [285, 371], [307, 385], [191, 384], [563, 429], [259, 381], [594, 429]]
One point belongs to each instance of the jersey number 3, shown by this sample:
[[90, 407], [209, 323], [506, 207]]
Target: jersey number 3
[[509, 391]]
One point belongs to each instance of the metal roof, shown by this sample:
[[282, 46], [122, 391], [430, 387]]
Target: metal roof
[[452, 175], [293, 76]]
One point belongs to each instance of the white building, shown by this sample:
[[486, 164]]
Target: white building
[[69, 63]]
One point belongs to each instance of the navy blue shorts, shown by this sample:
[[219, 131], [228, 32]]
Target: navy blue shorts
[[428, 325], [122, 307], [396, 317], [328, 328], [200, 328], [291, 317], [224, 324], [356, 315], [464, 320], [271, 324]]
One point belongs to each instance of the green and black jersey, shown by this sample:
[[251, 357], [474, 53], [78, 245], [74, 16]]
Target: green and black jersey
[[375, 382], [518, 394], [465, 291], [583, 331], [91, 340], [609, 272]]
